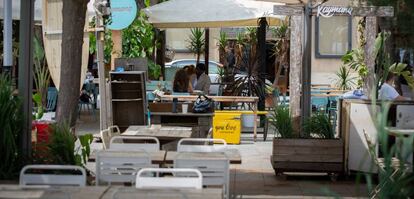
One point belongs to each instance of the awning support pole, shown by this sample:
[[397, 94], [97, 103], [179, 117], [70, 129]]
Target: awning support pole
[[25, 73], [261, 46]]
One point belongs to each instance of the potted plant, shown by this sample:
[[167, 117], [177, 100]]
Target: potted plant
[[196, 42], [41, 77], [316, 151], [344, 80], [11, 129]]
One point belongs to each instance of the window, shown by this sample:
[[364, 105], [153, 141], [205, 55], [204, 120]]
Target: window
[[333, 36]]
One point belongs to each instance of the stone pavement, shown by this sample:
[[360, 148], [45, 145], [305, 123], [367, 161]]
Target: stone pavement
[[255, 177]]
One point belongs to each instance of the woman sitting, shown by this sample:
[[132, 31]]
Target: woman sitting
[[181, 82], [192, 76]]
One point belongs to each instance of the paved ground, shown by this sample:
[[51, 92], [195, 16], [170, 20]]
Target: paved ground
[[255, 177]]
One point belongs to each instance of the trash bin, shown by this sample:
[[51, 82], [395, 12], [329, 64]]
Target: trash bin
[[227, 126]]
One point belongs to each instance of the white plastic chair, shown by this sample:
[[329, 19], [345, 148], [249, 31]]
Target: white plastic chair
[[137, 143], [36, 179], [215, 171], [107, 134], [114, 130], [188, 178], [202, 147], [106, 138], [120, 166]]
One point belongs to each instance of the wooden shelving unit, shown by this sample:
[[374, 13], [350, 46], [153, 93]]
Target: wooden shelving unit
[[128, 98]]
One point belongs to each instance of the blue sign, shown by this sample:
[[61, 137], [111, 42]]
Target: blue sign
[[123, 13]]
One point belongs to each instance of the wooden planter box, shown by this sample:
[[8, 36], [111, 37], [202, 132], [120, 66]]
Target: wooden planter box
[[167, 107], [308, 155]]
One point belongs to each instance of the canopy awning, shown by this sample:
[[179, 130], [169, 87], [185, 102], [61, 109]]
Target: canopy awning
[[211, 13], [37, 9]]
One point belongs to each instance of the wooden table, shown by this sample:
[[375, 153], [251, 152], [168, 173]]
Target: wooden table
[[400, 134], [232, 154], [163, 132], [238, 99], [157, 157], [200, 122], [106, 192]]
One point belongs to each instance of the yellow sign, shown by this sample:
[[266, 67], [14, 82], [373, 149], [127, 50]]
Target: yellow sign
[[227, 126]]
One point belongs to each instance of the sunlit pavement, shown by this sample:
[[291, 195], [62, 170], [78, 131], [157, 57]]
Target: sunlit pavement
[[255, 177]]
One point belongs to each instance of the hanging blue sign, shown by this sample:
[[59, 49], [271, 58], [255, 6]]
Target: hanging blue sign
[[123, 13]]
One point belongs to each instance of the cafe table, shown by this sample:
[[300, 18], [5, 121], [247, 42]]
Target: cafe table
[[398, 132], [235, 99], [157, 157], [401, 134], [160, 132], [232, 154], [104, 192]]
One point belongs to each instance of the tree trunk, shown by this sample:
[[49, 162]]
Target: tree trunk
[[74, 12]]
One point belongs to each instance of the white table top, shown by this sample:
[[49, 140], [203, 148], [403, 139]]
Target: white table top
[[159, 131], [107, 192]]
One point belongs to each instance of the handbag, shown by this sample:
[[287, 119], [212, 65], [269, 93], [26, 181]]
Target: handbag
[[203, 104]]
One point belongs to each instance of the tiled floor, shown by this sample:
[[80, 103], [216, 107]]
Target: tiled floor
[[255, 177]]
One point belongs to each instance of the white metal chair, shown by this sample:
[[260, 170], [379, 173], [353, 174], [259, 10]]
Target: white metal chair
[[120, 166], [132, 143], [50, 178], [187, 178], [216, 171], [202, 146]]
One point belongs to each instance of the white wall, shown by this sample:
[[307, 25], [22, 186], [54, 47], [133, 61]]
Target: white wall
[[324, 69], [177, 38]]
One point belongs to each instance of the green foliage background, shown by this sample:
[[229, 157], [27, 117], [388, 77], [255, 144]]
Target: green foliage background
[[138, 40], [403, 21], [10, 130]]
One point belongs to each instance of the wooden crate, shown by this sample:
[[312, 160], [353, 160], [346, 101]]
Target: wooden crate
[[308, 155]]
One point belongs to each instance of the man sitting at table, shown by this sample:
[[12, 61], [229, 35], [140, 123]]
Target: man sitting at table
[[203, 80], [388, 92]]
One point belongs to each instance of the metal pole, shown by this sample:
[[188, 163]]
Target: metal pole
[[307, 66], [7, 37], [101, 71], [261, 46], [207, 48], [25, 72]]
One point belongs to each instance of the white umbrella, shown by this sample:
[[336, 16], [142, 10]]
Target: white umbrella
[[211, 13]]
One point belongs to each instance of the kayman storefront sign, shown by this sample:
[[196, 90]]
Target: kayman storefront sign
[[123, 13], [329, 11]]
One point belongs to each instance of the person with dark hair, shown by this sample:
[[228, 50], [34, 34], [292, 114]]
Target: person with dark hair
[[388, 92], [191, 72], [203, 80], [181, 82]]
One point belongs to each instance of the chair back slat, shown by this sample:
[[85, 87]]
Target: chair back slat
[[181, 178], [120, 166], [215, 171], [202, 145], [132, 143], [48, 178], [52, 94]]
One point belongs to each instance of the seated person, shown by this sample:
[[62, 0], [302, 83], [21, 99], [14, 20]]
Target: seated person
[[181, 82], [387, 92], [203, 80], [191, 72]]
